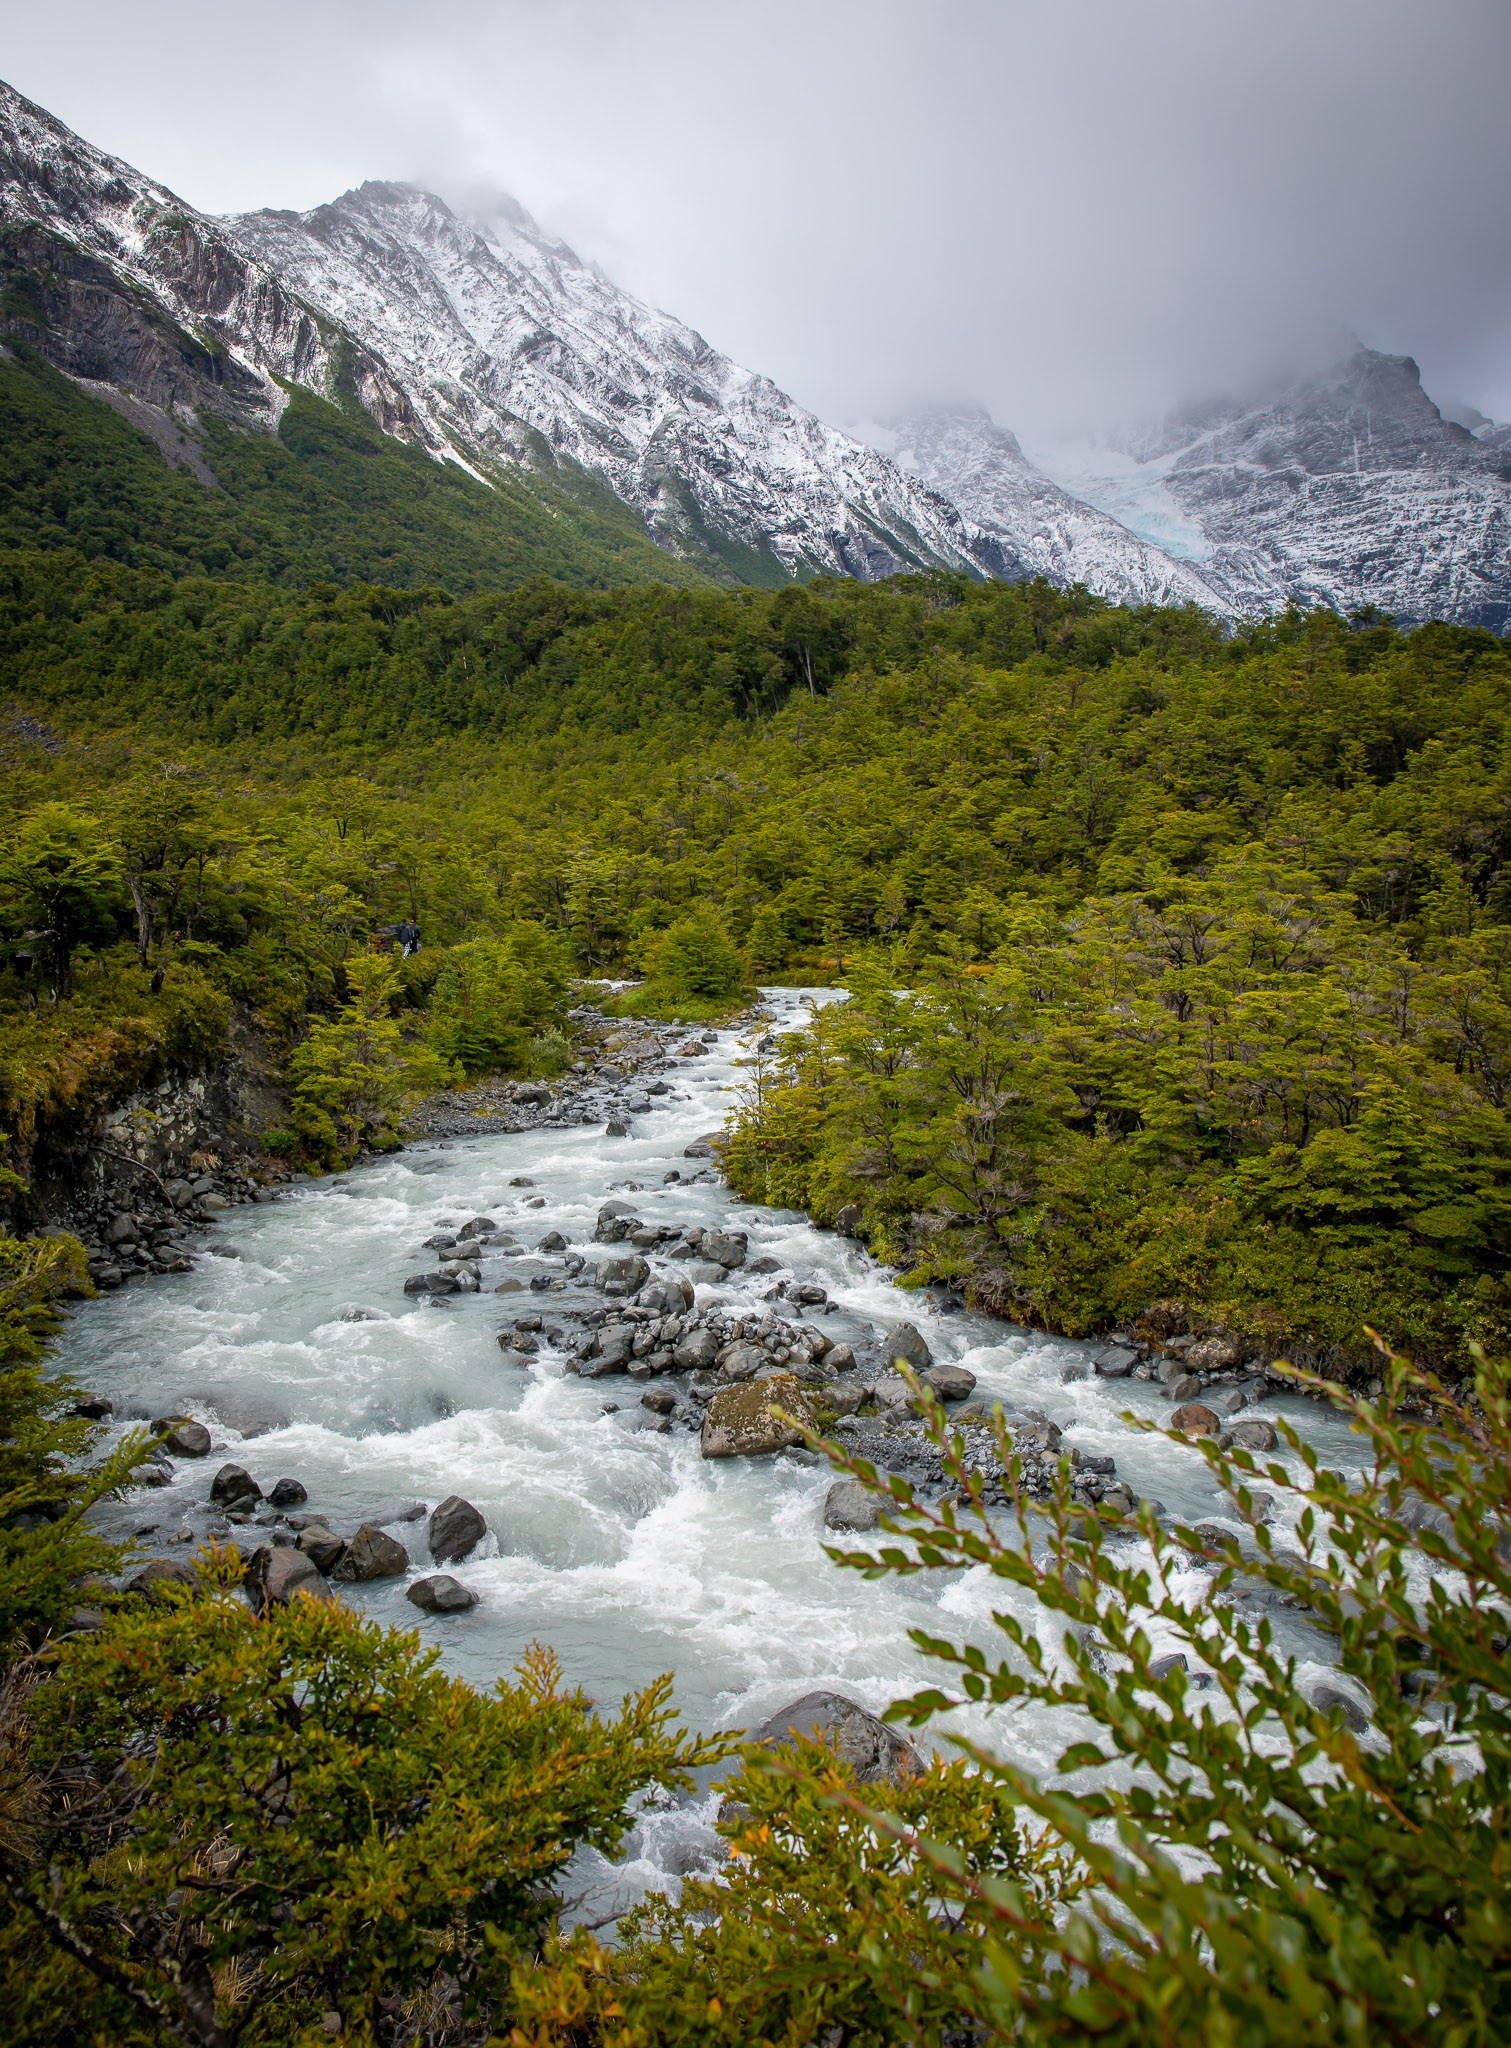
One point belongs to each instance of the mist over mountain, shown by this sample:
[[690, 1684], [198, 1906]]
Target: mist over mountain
[[491, 345]]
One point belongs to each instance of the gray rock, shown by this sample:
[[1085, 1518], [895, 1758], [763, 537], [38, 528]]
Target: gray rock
[[1255, 1434], [668, 1296], [1161, 1667], [456, 1529], [840, 1358], [726, 1248], [616, 1128], [1115, 1363], [510, 1287], [477, 1226], [274, 1577], [289, 1493], [431, 1283], [706, 1275], [162, 1571], [610, 1353], [847, 1221], [873, 1751], [355, 1313], [1323, 1698], [185, 1438], [848, 1505], [321, 1547], [892, 1391], [743, 1361], [553, 1241], [845, 1397], [764, 1264], [233, 1487], [624, 1276], [1185, 1387], [441, 1594], [906, 1343], [371, 1555], [697, 1351], [950, 1382]]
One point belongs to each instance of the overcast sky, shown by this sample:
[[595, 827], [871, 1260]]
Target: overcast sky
[[1078, 210]]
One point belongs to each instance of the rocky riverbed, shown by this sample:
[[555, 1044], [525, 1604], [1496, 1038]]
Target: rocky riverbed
[[549, 1328]]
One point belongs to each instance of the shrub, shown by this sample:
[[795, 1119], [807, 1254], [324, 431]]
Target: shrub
[[241, 1824]]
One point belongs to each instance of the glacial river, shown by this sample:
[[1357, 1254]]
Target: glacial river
[[620, 1547]]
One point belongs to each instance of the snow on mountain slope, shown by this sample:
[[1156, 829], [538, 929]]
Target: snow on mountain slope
[[512, 337], [131, 286], [964, 454], [1349, 488]]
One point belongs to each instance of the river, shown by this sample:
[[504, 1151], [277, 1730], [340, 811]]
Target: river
[[622, 1548]]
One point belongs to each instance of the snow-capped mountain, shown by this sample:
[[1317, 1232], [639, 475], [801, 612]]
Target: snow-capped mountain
[[965, 455], [484, 342], [511, 337], [1348, 488]]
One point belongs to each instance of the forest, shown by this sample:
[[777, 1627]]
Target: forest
[[1179, 966]]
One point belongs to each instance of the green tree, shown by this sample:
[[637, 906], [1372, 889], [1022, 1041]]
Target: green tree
[[59, 871]]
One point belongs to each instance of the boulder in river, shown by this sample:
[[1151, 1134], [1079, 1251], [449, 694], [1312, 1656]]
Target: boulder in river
[[742, 1422], [622, 1276], [430, 1283], [553, 1241], [906, 1343], [726, 1248], [616, 1127], [1185, 1387], [162, 1571], [1327, 1699], [371, 1555], [456, 1529], [950, 1382], [873, 1751], [321, 1547], [696, 1352], [289, 1493], [846, 1396], [1115, 1363], [1195, 1420], [1255, 1434], [847, 1220], [743, 1361], [892, 1391], [186, 1438], [848, 1505], [234, 1487], [274, 1577], [669, 1296], [441, 1594], [840, 1358]]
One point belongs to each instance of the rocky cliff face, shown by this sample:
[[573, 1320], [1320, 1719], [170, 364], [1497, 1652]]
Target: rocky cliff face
[[117, 281]]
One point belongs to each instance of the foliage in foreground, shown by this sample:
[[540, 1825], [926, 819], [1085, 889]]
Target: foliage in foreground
[[1222, 1857], [238, 1825]]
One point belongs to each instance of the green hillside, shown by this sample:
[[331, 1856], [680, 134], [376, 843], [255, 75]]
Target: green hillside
[[329, 497]]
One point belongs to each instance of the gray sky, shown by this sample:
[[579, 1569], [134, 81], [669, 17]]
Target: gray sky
[[1078, 210]]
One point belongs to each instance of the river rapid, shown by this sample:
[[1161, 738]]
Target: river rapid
[[619, 1546]]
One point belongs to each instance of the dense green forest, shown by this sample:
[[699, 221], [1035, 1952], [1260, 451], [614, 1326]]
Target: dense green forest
[[1180, 965]]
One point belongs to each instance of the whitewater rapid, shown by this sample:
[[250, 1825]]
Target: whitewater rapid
[[620, 1547]]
